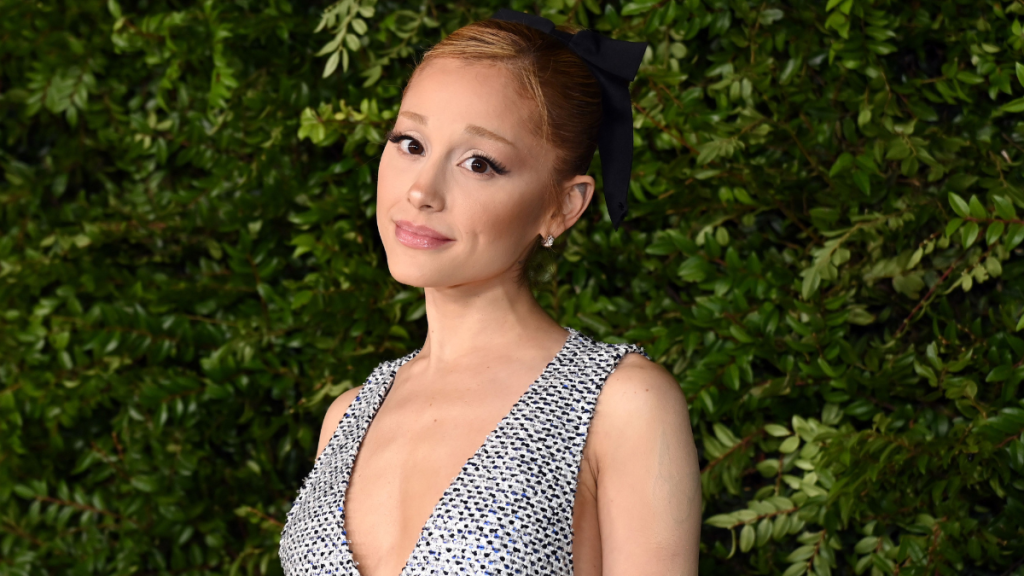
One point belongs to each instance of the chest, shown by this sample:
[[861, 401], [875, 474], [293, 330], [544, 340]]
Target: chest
[[459, 482], [418, 444], [427, 425]]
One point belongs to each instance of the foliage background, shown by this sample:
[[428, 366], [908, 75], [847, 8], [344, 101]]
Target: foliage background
[[824, 247]]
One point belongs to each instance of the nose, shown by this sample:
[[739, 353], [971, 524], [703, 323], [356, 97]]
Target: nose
[[427, 190]]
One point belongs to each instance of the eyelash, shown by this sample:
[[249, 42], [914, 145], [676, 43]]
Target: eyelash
[[498, 167]]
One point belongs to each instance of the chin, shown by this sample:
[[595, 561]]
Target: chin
[[412, 277], [423, 271]]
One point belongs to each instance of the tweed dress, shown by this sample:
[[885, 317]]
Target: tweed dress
[[508, 511]]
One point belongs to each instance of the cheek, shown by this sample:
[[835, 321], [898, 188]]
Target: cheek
[[390, 181], [508, 220]]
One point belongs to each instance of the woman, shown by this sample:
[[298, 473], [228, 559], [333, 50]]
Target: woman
[[468, 467]]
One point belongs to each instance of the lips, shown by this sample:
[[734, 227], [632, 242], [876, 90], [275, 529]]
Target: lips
[[420, 237]]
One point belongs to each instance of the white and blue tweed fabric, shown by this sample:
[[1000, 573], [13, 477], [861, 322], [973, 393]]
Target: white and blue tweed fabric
[[508, 511]]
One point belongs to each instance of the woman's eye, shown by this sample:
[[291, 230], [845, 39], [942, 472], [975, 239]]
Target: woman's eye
[[477, 165], [410, 146]]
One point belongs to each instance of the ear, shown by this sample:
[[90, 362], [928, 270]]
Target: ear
[[574, 196]]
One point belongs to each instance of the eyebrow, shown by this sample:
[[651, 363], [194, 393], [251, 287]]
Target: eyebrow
[[471, 129], [485, 133], [418, 118]]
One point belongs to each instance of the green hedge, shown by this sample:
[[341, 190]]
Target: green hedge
[[824, 247]]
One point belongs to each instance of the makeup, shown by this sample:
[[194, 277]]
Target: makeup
[[419, 237]]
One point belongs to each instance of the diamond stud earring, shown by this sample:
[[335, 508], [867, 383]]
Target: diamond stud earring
[[550, 241]]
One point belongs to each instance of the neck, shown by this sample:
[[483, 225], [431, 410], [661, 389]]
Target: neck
[[482, 317]]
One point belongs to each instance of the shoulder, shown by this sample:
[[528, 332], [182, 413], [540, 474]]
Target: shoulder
[[341, 404], [639, 388], [334, 415], [641, 404]]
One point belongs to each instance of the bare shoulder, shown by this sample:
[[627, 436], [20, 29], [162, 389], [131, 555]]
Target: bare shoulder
[[641, 405], [640, 389], [334, 415]]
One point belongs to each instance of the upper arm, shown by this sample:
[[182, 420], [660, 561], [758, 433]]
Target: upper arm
[[648, 475], [334, 415]]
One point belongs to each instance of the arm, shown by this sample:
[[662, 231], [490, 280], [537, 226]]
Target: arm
[[334, 415], [648, 476]]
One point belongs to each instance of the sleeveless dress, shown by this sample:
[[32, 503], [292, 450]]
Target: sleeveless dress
[[508, 511]]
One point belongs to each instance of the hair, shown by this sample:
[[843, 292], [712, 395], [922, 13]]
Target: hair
[[567, 96]]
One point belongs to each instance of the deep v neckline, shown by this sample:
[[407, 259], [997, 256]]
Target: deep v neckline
[[386, 389]]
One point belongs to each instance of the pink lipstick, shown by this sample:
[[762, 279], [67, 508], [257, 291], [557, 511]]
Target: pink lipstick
[[420, 237]]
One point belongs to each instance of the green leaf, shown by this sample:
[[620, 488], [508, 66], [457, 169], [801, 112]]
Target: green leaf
[[722, 520], [802, 553], [1013, 106], [1014, 235], [898, 150], [694, 269], [788, 70], [332, 64], [1020, 72], [747, 538], [959, 205], [1004, 208], [961, 182], [844, 161], [724, 435], [731, 377], [639, 7], [863, 117], [953, 225], [1000, 373], [301, 298], [662, 247], [372, 76], [769, 15], [969, 77], [811, 281], [994, 232], [145, 483], [593, 322], [863, 181], [776, 430], [352, 42], [969, 233], [796, 569], [977, 209], [993, 266], [740, 334], [789, 445], [827, 368], [768, 467], [24, 491], [866, 544]]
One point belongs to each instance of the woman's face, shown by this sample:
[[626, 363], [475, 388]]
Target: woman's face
[[463, 186]]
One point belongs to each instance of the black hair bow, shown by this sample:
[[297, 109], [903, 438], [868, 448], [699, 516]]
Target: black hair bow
[[614, 64]]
